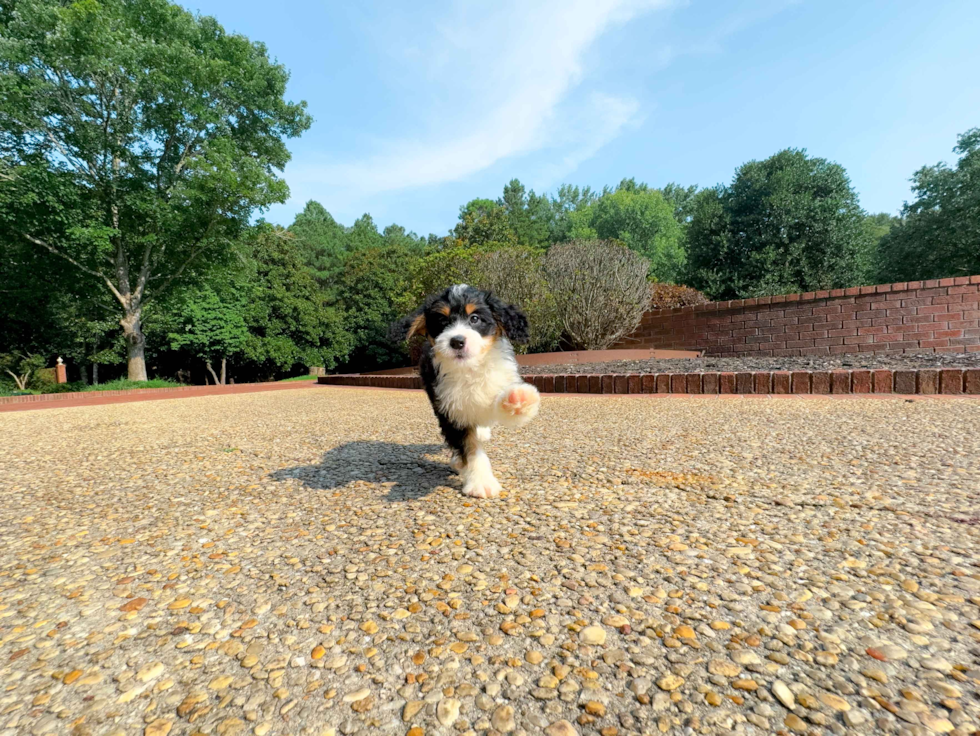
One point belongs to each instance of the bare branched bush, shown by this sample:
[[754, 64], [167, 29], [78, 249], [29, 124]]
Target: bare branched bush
[[516, 275], [600, 290]]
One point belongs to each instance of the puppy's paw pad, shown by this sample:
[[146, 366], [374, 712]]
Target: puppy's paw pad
[[521, 400]]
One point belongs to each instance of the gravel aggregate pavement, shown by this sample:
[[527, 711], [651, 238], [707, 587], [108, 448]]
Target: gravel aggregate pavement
[[902, 361], [302, 562]]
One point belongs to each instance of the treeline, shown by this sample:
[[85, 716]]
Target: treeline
[[133, 161]]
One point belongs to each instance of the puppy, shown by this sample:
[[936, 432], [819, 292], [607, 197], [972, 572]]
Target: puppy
[[470, 374]]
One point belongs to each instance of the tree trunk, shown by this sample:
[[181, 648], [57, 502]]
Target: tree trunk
[[213, 374], [95, 374], [135, 344], [224, 371]]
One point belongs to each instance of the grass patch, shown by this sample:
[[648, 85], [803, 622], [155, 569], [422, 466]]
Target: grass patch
[[125, 383], [298, 378]]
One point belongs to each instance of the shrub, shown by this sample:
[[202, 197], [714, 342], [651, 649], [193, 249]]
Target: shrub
[[600, 290], [671, 296]]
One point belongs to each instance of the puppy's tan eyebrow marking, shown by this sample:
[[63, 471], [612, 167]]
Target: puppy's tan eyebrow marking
[[470, 308], [442, 309]]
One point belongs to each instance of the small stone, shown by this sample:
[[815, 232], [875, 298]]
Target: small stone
[[783, 694], [593, 636], [745, 657], [503, 719], [724, 668], [670, 682], [533, 657], [159, 727], [854, 718], [750, 685], [937, 725], [447, 711], [318, 652], [134, 604], [220, 682], [616, 621], [794, 723], [369, 627], [150, 672], [873, 673], [834, 701], [714, 699], [937, 663], [684, 632], [360, 694], [179, 603], [411, 709], [595, 708], [561, 728], [827, 659]]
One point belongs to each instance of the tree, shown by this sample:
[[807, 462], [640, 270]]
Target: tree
[[641, 219], [680, 198], [530, 216], [212, 327], [321, 242], [164, 130], [21, 367], [791, 223], [600, 290], [483, 222], [291, 324], [570, 200], [939, 233]]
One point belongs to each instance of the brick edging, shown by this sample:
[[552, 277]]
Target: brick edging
[[926, 381]]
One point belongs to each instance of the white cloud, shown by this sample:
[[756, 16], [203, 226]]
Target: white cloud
[[500, 79]]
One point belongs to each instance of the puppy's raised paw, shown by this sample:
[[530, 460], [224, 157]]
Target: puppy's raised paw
[[521, 400]]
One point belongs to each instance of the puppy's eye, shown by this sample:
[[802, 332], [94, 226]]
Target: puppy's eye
[[475, 319]]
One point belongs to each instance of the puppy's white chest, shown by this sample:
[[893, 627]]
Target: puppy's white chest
[[468, 395]]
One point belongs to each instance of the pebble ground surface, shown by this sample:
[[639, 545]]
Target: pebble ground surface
[[302, 562], [899, 361]]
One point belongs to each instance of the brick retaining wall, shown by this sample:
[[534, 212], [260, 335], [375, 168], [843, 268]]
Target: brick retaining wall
[[926, 381], [941, 315]]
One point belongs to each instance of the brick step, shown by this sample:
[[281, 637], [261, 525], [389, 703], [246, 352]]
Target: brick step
[[925, 381]]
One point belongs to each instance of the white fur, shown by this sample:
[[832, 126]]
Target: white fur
[[477, 391]]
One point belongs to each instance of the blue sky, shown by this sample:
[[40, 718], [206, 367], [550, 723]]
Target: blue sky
[[422, 106]]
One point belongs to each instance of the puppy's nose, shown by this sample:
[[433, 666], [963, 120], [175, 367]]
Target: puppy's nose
[[457, 342]]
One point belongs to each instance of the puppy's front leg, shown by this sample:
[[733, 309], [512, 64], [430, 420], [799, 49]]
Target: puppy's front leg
[[517, 404], [478, 478]]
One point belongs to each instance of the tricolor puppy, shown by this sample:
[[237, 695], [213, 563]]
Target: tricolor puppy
[[470, 374]]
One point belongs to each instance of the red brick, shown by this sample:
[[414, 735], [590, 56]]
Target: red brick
[[608, 383], [800, 382], [928, 381], [548, 384], [560, 384], [663, 383], [951, 381], [693, 383], [861, 382], [904, 382], [649, 383], [781, 382], [620, 384], [743, 383], [726, 383], [883, 381], [709, 382], [633, 383], [820, 382], [972, 289], [762, 382], [971, 380], [582, 384], [678, 383], [595, 383]]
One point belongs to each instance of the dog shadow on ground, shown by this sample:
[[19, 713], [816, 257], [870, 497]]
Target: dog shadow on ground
[[413, 470]]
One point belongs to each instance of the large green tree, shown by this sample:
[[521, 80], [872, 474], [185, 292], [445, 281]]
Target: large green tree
[[640, 218], [790, 223], [321, 242], [939, 233], [166, 131]]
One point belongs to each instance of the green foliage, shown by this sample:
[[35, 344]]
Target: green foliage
[[939, 233], [791, 223], [641, 219], [483, 223], [154, 133], [321, 242]]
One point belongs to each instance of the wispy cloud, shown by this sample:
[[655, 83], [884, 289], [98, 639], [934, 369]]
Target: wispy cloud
[[501, 77]]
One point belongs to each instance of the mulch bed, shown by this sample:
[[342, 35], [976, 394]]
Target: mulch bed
[[905, 361]]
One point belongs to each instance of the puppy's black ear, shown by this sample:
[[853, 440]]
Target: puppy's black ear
[[511, 320], [408, 327]]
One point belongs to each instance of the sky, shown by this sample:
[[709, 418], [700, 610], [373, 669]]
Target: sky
[[419, 107]]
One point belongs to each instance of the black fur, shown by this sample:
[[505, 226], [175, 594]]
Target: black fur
[[511, 319]]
